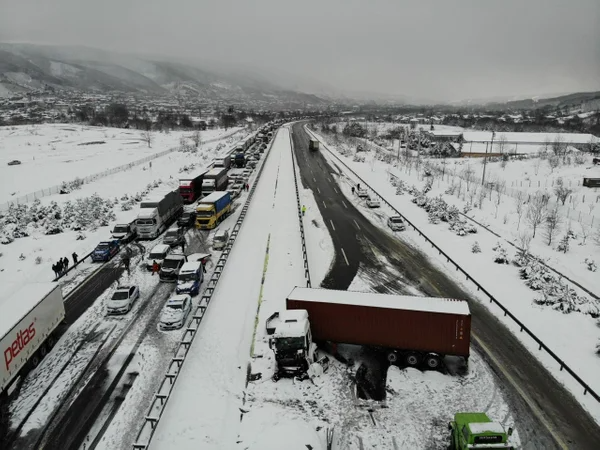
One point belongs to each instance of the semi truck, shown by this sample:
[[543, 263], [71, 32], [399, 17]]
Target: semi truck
[[415, 331], [190, 188], [239, 160], [313, 145], [471, 431], [31, 315], [223, 161], [214, 180], [157, 213], [212, 209]]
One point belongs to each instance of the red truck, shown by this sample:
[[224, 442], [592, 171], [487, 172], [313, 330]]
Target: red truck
[[190, 188], [415, 331]]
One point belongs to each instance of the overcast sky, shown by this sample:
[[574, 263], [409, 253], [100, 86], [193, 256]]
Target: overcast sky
[[442, 50]]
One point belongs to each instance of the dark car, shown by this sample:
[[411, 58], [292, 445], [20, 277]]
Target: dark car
[[14, 162], [105, 250], [187, 219]]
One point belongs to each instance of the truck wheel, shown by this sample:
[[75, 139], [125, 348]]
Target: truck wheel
[[50, 342], [34, 361], [433, 361], [43, 351], [412, 359], [392, 357]]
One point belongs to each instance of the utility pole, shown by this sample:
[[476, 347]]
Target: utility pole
[[485, 157]]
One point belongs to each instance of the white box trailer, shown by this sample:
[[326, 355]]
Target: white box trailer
[[29, 316]]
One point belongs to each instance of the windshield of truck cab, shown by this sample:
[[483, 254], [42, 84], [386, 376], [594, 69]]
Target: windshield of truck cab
[[290, 343], [188, 276], [171, 234], [157, 256], [145, 222], [204, 214], [121, 229], [170, 263], [185, 189], [186, 216]]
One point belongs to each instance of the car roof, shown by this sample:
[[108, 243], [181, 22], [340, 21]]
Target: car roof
[[191, 266], [177, 299], [160, 248], [124, 288]]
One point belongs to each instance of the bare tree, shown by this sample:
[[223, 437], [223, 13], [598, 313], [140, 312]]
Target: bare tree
[[562, 192], [553, 162], [520, 206], [500, 188], [553, 220], [597, 235], [501, 144], [524, 243], [536, 213], [196, 138], [147, 137], [559, 147], [468, 175], [536, 166], [585, 232]]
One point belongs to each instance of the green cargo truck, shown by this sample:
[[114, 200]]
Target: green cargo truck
[[477, 431]]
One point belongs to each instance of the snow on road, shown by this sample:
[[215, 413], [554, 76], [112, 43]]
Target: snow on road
[[203, 411]]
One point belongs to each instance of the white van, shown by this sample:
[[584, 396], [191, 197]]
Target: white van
[[220, 239], [158, 254]]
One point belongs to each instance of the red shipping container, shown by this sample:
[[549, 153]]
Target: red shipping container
[[424, 324]]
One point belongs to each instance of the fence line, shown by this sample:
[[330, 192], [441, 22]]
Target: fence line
[[563, 366], [27, 198], [162, 395]]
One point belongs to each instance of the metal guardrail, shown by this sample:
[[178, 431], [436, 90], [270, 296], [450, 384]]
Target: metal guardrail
[[23, 199], [162, 395], [300, 216], [523, 327]]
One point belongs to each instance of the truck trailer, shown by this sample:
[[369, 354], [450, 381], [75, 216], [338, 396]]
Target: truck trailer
[[157, 213], [410, 330], [30, 317], [313, 145], [239, 160], [212, 209], [214, 180], [190, 188], [222, 161]]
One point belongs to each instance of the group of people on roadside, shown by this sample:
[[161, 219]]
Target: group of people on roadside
[[62, 265]]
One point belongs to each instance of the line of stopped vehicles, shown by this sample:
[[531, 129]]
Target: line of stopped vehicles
[[418, 332]]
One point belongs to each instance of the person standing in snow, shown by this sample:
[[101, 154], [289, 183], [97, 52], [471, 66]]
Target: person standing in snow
[[66, 263], [59, 267], [155, 267], [55, 270], [75, 256], [126, 260], [352, 190], [303, 210]]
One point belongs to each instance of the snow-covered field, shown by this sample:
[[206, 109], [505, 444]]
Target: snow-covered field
[[52, 154], [31, 257], [572, 336]]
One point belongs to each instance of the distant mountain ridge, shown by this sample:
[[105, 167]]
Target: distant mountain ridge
[[28, 67]]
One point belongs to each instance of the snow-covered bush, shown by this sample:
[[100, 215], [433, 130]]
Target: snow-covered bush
[[563, 298], [563, 245], [475, 248], [500, 256], [38, 260], [69, 186], [591, 264], [358, 158], [21, 257]]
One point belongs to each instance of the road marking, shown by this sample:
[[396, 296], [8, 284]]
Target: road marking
[[534, 408], [329, 179], [314, 179], [332, 225], [344, 203], [324, 204], [344, 253], [356, 224], [318, 190], [335, 190]]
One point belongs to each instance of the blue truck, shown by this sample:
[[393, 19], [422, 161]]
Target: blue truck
[[105, 250], [212, 209], [239, 160]]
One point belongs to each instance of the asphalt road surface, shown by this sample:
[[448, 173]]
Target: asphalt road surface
[[547, 414]]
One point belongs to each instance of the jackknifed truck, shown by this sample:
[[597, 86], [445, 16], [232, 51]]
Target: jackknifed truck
[[29, 320], [413, 331]]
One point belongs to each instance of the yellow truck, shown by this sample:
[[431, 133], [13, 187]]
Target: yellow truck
[[212, 209]]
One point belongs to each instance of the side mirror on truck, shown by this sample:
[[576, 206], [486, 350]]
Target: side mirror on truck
[[271, 343]]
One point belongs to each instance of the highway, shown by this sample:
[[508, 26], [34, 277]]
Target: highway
[[548, 417]]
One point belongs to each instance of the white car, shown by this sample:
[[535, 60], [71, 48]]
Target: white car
[[396, 223], [220, 239], [362, 193], [175, 312], [122, 300], [373, 203], [158, 254]]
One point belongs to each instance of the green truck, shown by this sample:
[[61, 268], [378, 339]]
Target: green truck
[[477, 431]]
